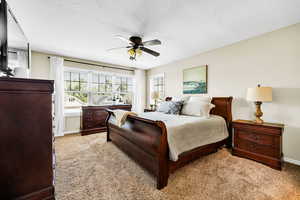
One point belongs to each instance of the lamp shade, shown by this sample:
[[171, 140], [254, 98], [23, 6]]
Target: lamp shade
[[155, 95], [263, 94]]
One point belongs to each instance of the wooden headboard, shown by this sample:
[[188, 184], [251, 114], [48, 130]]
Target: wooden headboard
[[222, 108]]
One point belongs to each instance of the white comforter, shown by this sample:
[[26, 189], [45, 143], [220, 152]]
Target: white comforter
[[187, 132]]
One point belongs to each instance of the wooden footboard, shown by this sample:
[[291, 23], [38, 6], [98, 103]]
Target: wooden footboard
[[145, 141]]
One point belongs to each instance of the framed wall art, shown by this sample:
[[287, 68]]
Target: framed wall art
[[195, 80]]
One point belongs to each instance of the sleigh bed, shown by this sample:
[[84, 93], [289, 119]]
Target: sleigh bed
[[146, 141]]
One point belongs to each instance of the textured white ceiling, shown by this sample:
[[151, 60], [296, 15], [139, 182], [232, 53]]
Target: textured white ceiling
[[85, 28]]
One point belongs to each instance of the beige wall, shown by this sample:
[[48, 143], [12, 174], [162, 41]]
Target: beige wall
[[40, 66], [272, 59]]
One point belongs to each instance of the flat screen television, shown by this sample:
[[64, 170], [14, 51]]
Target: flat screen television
[[15, 49]]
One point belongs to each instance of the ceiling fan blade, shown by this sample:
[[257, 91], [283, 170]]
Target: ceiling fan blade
[[154, 53], [119, 48], [152, 42], [123, 38]]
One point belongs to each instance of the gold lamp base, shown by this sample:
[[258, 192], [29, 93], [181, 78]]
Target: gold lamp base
[[258, 113]]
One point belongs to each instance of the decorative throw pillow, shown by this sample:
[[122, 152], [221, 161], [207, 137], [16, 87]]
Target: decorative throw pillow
[[170, 107], [175, 107]]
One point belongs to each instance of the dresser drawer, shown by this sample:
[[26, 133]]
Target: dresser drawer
[[258, 148], [87, 113], [100, 116], [88, 118], [89, 125], [258, 138], [121, 107]]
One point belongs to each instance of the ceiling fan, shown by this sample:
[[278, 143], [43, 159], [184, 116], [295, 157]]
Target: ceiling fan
[[136, 46]]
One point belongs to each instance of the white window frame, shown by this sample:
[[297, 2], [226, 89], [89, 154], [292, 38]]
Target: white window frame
[[161, 75], [78, 71], [89, 81]]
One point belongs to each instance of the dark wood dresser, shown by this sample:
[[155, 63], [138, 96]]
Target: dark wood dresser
[[148, 110], [260, 142], [26, 162], [93, 118]]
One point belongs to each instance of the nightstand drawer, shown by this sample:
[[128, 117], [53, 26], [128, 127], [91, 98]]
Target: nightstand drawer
[[260, 129], [258, 148], [258, 138]]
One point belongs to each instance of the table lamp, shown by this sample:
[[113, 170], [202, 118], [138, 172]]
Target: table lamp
[[155, 97], [259, 95]]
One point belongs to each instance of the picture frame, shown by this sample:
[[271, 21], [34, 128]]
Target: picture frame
[[195, 80]]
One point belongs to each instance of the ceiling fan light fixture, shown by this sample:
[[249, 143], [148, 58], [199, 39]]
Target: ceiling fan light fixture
[[139, 52], [131, 52], [137, 46]]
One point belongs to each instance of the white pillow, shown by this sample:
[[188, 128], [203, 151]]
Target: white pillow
[[191, 108], [182, 98], [196, 107], [205, 109], [163, 107], [200, 98]]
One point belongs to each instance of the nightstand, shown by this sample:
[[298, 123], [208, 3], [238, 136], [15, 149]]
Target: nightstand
[[148, 110], [259, 142]]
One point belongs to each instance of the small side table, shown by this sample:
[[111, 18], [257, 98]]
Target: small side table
[[259, 142]]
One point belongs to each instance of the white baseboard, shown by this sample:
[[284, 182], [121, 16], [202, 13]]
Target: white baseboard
[[71, 132], [293, 161]]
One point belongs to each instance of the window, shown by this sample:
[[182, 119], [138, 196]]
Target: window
[[84, 87], [76, 83], [101, 83], [123, 87], [157, 84], [101, 88], [123, 84]]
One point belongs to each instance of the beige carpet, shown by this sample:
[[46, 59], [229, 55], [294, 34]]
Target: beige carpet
[[88, 168]]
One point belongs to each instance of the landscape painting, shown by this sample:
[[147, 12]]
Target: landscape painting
[[195, 80]]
